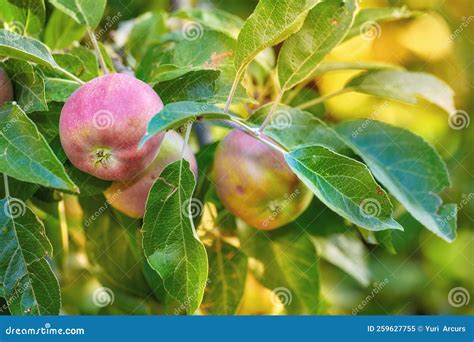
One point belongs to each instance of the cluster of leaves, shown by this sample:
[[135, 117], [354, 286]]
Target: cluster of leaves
[[200, 70]]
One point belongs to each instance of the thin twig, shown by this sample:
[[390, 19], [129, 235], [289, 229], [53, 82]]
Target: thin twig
[[320, 99], [269, 117], [102, 63]]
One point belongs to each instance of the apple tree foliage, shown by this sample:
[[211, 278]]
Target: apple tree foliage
[[205, 65]]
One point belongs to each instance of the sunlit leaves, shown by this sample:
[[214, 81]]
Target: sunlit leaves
[[405, 86], [171, 245], [25, 48], [25, 154], [344, 185], [85, 12], [324, 27], [409, 167]]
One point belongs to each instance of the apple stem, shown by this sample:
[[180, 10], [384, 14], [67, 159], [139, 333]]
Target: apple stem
[[102, 63]]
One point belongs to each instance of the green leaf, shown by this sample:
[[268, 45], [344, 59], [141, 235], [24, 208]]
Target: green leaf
[[290, 266], [324, 27], [344, 185], [29, 87], [58, 89], [348, 253], [228, 271], [368, 18], [171, 245], [85, 12], [146, 28], [192, 86], [272, 22], [292, 128], [176, 114], [30, 285], [26, 16], [408, 167], [26, 155], [214, 19], [405, 86], [62, 31], [24, 48]]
